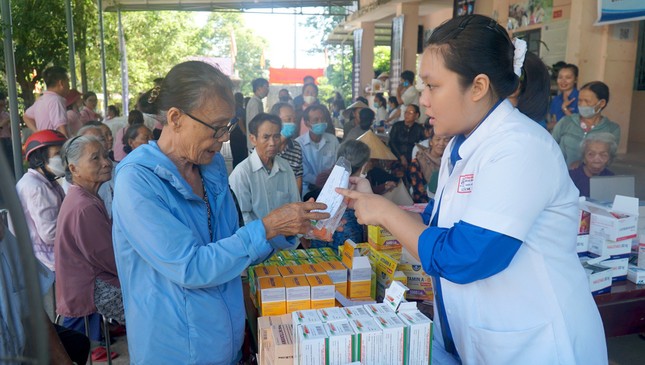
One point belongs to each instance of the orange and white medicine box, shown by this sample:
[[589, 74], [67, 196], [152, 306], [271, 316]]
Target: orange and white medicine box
[[297, 293], [332, 314], [322, 291], [337, 272], [417, 338], [290, 270], [339, 343], [312, 269], [272, 296], [360, 278], [349, 251], [368, 341], [264, 271], [393, 349]]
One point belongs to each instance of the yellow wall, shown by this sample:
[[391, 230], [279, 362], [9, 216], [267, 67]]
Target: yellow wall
[[637, 124], [601, 56]]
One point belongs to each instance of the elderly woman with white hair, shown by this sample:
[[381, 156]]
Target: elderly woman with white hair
[[86, 272], [598, 151]]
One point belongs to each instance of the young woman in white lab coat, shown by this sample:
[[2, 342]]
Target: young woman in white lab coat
[[500, 238]]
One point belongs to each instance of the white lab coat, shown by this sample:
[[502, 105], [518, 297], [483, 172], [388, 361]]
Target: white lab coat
[[512, 179]]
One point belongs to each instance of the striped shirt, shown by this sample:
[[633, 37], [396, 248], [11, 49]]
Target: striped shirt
[[293, 155]]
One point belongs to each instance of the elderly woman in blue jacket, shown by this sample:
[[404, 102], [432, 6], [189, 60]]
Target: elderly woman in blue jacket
[[179, 251]]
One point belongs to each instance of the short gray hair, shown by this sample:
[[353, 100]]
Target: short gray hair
[[73, 150], [87, 128], [602, 137], [356, 152]]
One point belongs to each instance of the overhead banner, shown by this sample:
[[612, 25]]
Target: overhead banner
[[619, 11]]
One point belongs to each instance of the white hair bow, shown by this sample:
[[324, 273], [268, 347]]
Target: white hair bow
[[518, 55]]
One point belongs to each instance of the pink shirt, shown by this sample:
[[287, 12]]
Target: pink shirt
[[48, 111], [5, 132], [119, 154], [84, 252], [88, 115], [41, 200], [73, 122]]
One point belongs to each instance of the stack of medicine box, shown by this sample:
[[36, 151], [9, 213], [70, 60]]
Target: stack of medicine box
[[360, 271], [371, 334], [283, 289], [419, 283], [611, 232]]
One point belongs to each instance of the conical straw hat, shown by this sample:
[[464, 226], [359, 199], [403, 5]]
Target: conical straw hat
[[378, 149]]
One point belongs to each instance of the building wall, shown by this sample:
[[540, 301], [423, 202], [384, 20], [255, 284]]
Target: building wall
[[637, 124]]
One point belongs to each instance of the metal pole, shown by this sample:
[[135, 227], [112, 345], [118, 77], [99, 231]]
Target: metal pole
[[295, 26], [125, 92], [10, 68], [70, 42], [103, 67]]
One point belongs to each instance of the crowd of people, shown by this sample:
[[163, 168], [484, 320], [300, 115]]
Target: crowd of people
[[148, 228]]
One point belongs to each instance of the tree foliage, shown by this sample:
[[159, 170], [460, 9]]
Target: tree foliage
[[217, 42], [40, 40], [155, 41]]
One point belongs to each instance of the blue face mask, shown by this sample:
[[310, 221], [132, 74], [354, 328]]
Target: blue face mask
[[319, 128], [406, 83], [288, 129]]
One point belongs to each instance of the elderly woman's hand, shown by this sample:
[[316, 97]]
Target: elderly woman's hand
[[294, 218]]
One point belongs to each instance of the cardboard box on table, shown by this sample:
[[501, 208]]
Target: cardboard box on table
[[337, 272], [417, 338], [311, 344], [290, 270], [322, 291], [617, 264], [360, 278], [340, 350], [297, 293], [612, 229], [599, 276], [275, 340], [393, 349], [271, 295], [636, 274], [381, 238], [368, 341]]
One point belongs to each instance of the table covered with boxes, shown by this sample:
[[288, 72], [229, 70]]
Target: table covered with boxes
[[613, 254], [357, 305]]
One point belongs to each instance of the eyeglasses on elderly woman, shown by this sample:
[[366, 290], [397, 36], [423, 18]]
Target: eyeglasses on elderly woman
[[218, 131]]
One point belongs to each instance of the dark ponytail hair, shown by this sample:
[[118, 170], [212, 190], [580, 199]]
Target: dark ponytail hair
[[599, 88], [475, 44], [534, 101]]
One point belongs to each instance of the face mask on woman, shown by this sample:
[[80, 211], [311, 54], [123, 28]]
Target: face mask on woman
[[55, 166], [309, 99], [587, 111], [288, 129], [319, 128]]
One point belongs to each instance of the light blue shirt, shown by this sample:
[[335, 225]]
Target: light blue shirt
[[182, 291], [316, 157], [259, 191]]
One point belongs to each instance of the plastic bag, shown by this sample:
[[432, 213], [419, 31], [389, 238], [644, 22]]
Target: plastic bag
[[339, 178]]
